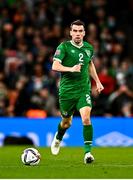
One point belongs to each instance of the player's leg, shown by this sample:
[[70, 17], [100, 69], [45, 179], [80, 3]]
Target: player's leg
[[87, 133], [67, 109], [84, 106], [62, 127]]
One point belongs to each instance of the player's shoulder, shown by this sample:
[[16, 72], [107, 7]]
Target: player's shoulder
[[64, 43], [88, 45]]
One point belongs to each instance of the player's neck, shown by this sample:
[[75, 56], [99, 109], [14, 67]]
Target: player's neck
[[77, 44]]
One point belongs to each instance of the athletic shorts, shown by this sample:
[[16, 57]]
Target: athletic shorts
[[68, 106]]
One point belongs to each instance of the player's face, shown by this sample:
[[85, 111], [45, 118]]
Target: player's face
[[77, 33]]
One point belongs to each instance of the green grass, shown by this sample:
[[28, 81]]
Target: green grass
[[109, 163]]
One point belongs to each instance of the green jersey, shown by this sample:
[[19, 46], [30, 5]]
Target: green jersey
[[68, 54]]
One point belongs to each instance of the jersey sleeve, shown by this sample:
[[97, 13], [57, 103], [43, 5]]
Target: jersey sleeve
[[92, 54], [59, 53], [89, 50]]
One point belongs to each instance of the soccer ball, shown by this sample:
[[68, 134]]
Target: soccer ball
[[30, 156]]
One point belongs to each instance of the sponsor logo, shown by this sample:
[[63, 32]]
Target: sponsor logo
[[114, 139], [73, 51]]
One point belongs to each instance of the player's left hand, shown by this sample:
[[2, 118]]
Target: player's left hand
[[99, 87]]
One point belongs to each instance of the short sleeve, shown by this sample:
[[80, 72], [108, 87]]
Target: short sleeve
[[59, 53], [92, 54]]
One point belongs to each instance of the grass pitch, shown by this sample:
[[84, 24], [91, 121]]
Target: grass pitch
[[109, 163]]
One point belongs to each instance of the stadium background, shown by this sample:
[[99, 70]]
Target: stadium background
[[30, 31]]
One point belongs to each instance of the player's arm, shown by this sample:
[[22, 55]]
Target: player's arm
[[59, 55], [57, 66], [94, 75]]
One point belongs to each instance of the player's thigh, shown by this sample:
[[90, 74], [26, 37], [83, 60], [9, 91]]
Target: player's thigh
[[84, 100], [67, 107], [85, 115], [84, 106]]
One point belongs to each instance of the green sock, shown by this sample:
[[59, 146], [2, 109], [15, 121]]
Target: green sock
[[88, 135], [61, 132]]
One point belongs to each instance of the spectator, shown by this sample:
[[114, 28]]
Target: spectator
[[30, 31]]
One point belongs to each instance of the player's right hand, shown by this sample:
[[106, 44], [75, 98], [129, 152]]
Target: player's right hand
[[76, 68]]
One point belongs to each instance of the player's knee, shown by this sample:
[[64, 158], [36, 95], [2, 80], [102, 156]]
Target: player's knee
[[66, 122], [67, 125], [86, 120]]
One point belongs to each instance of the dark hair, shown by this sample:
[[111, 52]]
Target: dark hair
[[78, 22]]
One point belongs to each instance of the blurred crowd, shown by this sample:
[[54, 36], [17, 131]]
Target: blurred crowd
[[30, 31]]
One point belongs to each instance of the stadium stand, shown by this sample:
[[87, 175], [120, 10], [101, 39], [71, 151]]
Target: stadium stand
[[30, 31]]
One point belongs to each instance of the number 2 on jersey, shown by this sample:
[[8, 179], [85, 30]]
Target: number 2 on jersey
[[81, 58]]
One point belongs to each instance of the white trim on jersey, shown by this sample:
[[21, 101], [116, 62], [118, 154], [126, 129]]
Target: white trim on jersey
[[56, 59], [75, 44], [87, 141]]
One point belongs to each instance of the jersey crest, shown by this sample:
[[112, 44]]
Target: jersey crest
[[88, 52]]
